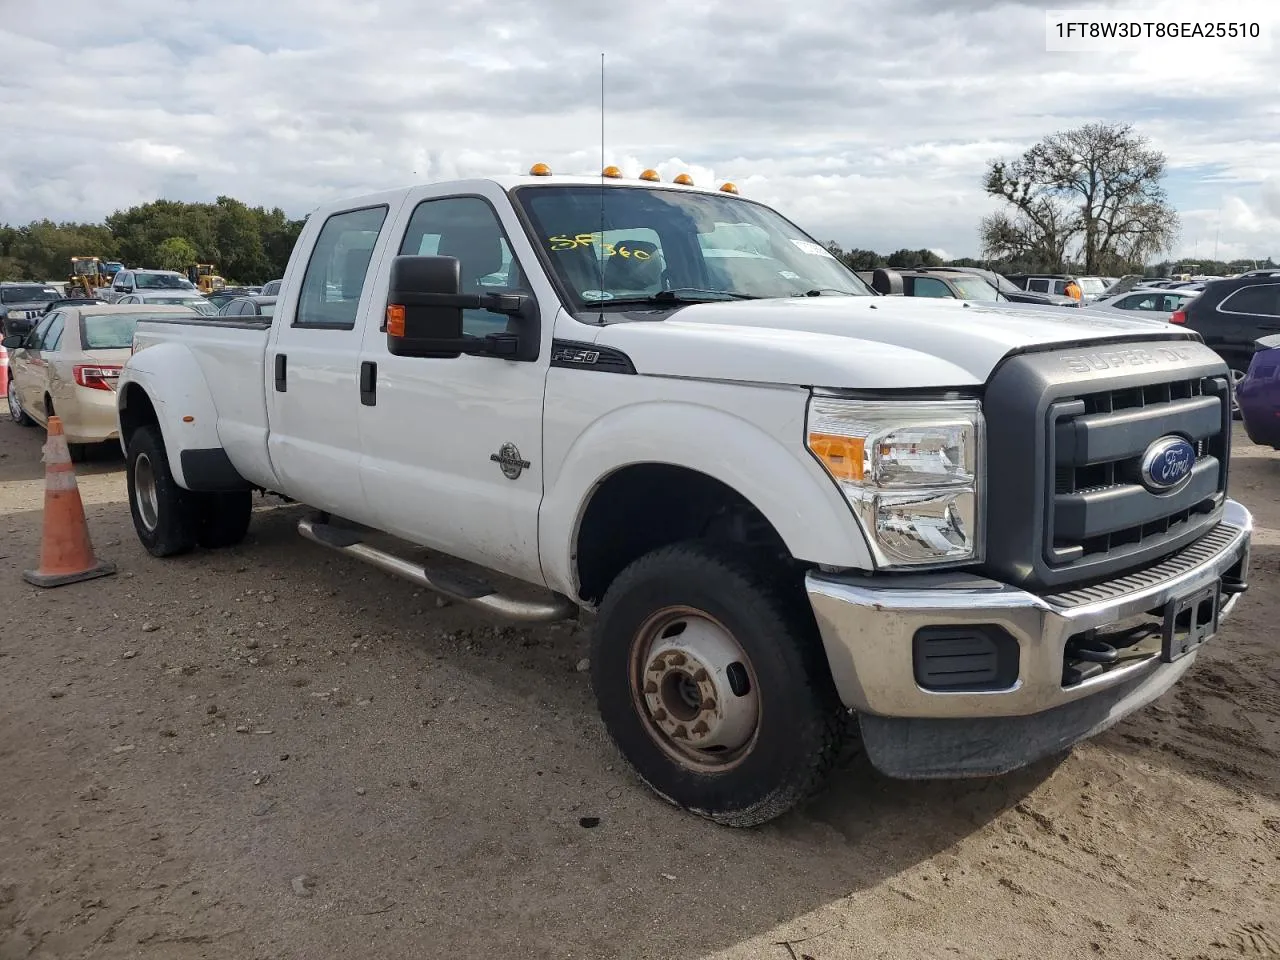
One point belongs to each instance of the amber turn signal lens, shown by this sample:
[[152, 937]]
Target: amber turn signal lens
[[842, 456], [395, 319]]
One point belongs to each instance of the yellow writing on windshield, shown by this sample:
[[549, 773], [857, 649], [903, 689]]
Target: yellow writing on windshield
[[620, 249]]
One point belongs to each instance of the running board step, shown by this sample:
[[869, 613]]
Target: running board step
[[448, 583]]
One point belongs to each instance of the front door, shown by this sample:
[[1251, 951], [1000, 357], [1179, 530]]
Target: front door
[[311, 363], [453, 447]]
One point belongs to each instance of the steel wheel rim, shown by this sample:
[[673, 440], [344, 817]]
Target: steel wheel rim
[[15, 408], [144, 492], [684, 666]]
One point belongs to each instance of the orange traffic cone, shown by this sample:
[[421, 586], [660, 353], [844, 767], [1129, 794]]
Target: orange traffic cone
[[66, 555]]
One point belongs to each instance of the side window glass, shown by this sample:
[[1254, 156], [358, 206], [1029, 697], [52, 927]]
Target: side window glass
[[339, 265], [1038, 286], [467, 228], [931, 287], [36, 337], [1262, 299], [53, 336]]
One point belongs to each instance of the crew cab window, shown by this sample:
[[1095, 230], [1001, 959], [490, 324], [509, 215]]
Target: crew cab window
[[467, 228], [1038, 286], [337, 270], [930, 287], [1261, 299]]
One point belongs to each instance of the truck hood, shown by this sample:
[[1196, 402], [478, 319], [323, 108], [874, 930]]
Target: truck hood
[[861, 342]]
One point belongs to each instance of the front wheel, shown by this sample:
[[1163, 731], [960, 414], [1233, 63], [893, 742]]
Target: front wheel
[[1239, 369], [164, 514], [15, 408], [710, 677]]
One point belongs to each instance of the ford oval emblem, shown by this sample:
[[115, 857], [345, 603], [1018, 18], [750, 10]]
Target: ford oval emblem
[[1167, 464]]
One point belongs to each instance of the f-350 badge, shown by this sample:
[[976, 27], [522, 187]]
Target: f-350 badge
[[508, 458]]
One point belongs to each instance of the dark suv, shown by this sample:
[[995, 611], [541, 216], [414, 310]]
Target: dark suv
[[1232, 314]]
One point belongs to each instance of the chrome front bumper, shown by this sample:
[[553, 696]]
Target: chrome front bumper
[[868, 625]]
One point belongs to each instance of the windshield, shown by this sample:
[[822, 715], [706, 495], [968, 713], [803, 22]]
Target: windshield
[[28, 294], [161, 281], [109, 331], [199, 305], [1091, 286], [693, 244], [975, 288]]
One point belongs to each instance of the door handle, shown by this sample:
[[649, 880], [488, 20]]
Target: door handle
[[282, 384], [369, 383]]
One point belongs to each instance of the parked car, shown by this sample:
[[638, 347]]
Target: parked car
[[71, 302], [172, 298], [271, 288], [21, 305], [736, 483], [1087, 288], [1232, 315], [1259, 394], [1010, 291], [69, 363], [1146, 303], [954, 284], [142, 281], [248, 307]]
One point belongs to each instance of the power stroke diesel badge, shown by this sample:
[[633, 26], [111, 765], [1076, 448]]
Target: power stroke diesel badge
[[508, 458]]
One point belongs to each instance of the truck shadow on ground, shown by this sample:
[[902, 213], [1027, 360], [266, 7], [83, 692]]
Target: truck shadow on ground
[[20, 454]]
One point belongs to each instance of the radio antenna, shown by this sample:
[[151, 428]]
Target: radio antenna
[[600, 254]]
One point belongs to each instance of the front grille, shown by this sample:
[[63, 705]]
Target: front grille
[[1099, 505], [1067, 432]]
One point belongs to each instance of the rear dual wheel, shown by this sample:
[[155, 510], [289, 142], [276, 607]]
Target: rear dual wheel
[[169, 519], [711, 680]]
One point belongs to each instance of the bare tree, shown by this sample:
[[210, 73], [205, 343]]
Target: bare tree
[[1094, 193]]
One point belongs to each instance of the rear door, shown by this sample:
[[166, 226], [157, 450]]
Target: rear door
[[313, 356]]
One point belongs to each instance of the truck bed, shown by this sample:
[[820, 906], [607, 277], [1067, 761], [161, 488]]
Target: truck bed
[[230, 355]]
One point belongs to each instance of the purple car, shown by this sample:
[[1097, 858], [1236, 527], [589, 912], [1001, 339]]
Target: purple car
[[1259, 394]]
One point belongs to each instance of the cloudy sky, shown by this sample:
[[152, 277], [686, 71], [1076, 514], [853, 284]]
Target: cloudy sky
[[868, 123]]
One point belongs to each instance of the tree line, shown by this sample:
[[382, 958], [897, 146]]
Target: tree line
[[245, 244]]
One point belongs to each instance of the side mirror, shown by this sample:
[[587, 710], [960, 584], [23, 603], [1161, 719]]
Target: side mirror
[[887, 282], [424, 313], [17, 328], [13, 341]]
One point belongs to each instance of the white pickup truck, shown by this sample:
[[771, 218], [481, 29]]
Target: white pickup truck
[[804, 516]]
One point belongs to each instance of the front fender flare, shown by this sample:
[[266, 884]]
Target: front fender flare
[[786, 486]]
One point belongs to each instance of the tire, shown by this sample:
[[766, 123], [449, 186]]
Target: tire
[[79, 452], [801, 729], [224, 519], [1238, 367], [15, 408], [165, 516]]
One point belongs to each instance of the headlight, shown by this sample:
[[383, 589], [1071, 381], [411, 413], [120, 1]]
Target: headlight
[[911, 470]]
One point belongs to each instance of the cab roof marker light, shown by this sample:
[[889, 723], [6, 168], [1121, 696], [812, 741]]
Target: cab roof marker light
[[539, 170], [683, 179], [651, 175], [612, 172], [728, 188]]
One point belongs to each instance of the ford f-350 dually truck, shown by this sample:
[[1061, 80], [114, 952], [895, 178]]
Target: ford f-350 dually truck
[[803, 516]]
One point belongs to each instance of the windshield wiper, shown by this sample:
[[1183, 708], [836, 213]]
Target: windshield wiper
[[679, 295], [819, 291]]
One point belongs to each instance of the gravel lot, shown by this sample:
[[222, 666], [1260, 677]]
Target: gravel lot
[[182, 742]]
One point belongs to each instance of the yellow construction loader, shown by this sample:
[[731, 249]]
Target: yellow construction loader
[[86, 277], [202, 275]]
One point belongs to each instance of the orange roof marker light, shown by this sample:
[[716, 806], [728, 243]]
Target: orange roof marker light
[[612, 172], [651, 175], [539, 170], [683, 179], [728, 188]]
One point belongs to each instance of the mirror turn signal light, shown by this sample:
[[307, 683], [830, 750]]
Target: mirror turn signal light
[[395, 317]]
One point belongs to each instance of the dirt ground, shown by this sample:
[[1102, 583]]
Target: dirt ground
[[180, 742]]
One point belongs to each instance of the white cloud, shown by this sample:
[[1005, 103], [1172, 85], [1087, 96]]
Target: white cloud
[[867, 128]]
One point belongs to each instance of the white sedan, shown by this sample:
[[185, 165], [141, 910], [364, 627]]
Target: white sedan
[[1146, 303]]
